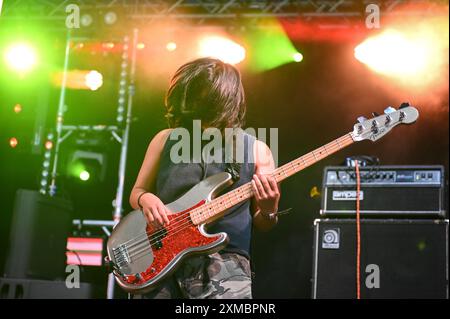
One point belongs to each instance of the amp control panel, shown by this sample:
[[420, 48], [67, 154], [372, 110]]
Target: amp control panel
[[374, 175]]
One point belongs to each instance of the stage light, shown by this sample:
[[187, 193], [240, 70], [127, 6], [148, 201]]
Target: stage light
[[45, 171], [79, 79], [110, 18], [298, 57], [86, 20], [13, 142], [86, 165], [94, 80], [270, 47], [84, 175], [21, 57], [108, 45], [48, 145], [85, 251], [221, 48], [171, 46], [17, 108], [140, 46], [410, 55], [392, 53]]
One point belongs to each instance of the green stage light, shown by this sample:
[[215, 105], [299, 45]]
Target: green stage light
[[271, 48], [83, 166], [84, 175], [298, 57], [78, 170], [21, 57]]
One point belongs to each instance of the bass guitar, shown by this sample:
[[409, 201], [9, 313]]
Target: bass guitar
[[142, 256]]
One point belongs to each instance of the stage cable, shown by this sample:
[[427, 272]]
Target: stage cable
[[358, 233]]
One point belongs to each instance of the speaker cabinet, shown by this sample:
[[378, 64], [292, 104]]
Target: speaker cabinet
[[399, 259], [39, 230]]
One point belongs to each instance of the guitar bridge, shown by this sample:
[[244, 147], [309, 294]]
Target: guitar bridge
[[121, 256]]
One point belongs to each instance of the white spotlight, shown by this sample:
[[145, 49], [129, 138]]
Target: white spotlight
[[221, 48]]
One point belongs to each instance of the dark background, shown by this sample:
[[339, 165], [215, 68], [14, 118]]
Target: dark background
[[310, 103]]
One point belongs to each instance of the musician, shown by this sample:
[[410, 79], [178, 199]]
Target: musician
[[211, 91]]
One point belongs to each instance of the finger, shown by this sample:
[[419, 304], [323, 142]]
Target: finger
[[148, 215], [274, 185], [259, 186], [156, 215], [256, 191], [162, 213], [265, 184]]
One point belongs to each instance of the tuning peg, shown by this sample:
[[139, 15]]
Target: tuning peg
[[362, 119], [389, 110], [403, 105], [375, 114]]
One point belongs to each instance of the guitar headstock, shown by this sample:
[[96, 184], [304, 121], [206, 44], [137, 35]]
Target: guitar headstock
[[378, 126]]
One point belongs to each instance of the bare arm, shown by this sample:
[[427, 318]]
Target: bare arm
[[146, 180], [267, 193]]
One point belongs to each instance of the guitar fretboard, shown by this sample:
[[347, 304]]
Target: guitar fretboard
[[217, 207]]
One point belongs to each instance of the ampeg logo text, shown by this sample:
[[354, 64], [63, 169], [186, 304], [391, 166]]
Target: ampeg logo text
[[347, 195], [331, 238]]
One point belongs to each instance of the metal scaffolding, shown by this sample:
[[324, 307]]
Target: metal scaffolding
[[120, 131], [51, 166], [212, 11]]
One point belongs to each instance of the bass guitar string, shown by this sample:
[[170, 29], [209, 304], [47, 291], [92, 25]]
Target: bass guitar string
[[303, 158], [181, 227], [156, 238], [185, 222]]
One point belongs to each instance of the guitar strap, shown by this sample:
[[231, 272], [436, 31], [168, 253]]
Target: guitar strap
[[232, 166], [234, 170]]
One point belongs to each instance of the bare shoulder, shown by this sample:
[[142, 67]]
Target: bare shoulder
[[156, 145], [264, 162], [160, 138], [163, 134], [260, 146]]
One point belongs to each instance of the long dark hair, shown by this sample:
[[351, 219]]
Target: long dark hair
[[209, 90]]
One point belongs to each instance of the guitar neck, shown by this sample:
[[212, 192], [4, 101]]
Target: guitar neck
[[217, 207]]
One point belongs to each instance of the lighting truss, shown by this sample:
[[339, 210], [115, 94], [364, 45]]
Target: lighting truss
[[209, 11]]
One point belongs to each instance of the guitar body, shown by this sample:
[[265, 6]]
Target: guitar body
[[144, 256]]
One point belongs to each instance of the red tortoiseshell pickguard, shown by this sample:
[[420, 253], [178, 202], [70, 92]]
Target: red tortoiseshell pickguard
[[180, 236]]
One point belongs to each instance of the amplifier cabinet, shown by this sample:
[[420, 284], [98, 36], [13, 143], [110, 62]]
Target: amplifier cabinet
[[400, 258], [38, 237], [395, 191]]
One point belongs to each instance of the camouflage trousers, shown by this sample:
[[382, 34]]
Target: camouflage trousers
[[216, 276]]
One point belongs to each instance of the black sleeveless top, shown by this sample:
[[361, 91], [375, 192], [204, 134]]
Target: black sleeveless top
[[175, 179]]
